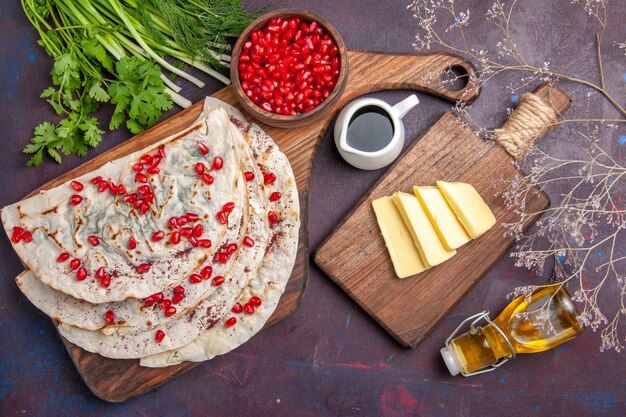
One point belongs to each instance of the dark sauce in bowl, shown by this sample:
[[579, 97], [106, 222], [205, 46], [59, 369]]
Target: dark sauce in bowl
[[370, 129]]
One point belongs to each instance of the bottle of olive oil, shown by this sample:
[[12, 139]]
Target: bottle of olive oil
[[529, 324]]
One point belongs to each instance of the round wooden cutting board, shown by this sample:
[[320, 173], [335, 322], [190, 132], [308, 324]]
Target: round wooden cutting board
[[118, 380]]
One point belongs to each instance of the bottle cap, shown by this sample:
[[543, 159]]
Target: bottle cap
[[448, 358]]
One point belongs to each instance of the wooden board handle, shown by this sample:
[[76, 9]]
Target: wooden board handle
[[422, 72], [536, 114]]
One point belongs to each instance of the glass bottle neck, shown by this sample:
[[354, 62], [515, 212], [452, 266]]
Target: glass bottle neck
[[496, 341]]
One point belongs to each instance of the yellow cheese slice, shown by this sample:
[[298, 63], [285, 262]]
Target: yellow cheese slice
[[468, 205], [430, 247], [440, 214], [404, 256]]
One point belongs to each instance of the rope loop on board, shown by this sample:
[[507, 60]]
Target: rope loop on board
[[529, 121]]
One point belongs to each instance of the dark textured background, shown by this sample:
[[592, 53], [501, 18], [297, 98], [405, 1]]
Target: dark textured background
[[329, 357]]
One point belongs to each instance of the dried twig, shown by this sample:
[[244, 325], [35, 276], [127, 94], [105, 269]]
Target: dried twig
[[584, 228]]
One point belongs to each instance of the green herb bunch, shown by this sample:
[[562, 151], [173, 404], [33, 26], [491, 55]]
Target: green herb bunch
[[114, 51]]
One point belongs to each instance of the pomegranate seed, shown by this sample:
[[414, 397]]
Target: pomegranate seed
[[74, 264], [193, 240], [121, 190], [203, 148], [195, 278], [139, 177], [113, 188], [179, 289], [148, 198], [159, 336], [175, 238], [231, 248], [158, 235], [173, 223], [156, 160], [157, 296], [96, 180], [269, 178], [248, 308], [143, 268], [153, 170], [77, 185], [109, 317], [145, 160], [93, 241], [247, 241], [106, 281], [100, 273], [63, 257], [186, 231], [170, 312], [204, 243], [137, 167], [222, 218], [208, 179], [237, 308], [206, 272], [272, 217], [197, 231], [144, 189], [218, 280], [200, 168], [144, 208], [192, 217], [103, 186], [130, 198], [249, 176], [161, 151], [255, 301], [149, 302], [230, 322], [27, 236], [132, 243], [76, 199], [228, 207], [16, 236], [223, 257], [275, 196], [177, 298], [165, 304], [182, 220], [81, 274], [218, 162]]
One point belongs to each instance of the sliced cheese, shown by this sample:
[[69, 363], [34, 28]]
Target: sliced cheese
[[404, 255], [468, 205], [425, 237], [448, 227]]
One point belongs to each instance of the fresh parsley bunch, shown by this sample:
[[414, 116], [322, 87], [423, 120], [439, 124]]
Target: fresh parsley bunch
[[133, 86], [113, 51]]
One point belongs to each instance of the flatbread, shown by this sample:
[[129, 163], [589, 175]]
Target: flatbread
[[59, 226], [197, 332], [269, 284]]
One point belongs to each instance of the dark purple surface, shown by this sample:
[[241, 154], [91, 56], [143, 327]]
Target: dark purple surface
[[329, 357]]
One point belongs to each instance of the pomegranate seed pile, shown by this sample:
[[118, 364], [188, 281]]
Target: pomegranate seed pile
[[289, 66]]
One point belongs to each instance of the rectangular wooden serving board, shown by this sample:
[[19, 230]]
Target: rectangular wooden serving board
[[410, 308]]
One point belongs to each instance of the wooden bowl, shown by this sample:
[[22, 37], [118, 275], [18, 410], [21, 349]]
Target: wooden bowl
[[281, 120]]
